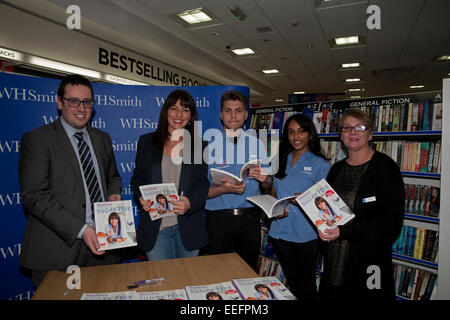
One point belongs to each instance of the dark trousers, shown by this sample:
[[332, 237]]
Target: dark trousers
[[228, 233], [299, 264], [85, 259]]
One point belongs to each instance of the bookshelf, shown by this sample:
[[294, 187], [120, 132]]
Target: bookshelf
[[402, 139], [444, 221]]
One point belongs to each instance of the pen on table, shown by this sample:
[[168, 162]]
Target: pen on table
[[74, 285], [146, 282]]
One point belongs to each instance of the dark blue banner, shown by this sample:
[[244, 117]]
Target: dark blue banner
[[125, 112]]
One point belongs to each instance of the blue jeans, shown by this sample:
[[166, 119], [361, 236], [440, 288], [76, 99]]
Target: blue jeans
[[169, 246]]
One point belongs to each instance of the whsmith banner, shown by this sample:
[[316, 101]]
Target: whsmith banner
[[125, 112]]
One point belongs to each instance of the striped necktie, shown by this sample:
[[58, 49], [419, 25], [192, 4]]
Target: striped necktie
[[89, 172]]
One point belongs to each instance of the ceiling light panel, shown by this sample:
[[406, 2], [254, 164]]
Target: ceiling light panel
[[346, 40], [194, 16], [351, 65], [243, 51], [271, 71]]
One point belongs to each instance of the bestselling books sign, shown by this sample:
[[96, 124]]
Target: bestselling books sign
[[125, 112]]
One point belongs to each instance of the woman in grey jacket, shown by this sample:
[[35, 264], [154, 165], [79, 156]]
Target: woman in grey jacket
[[358, 258]]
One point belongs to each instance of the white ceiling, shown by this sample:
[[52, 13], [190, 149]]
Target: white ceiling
[[413, 33]]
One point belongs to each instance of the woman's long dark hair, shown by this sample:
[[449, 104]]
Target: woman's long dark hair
[[319, 200], [186, 100], [285, 146], [119, 224], [269, 291], [161, 196]]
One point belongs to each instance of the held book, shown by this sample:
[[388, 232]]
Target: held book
[[262, 288], [270, 205], [217, 175], [324, 206], [217, 291], [114, 224], [161, 195]]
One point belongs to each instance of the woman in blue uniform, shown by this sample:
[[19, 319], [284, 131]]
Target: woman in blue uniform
[[293, 237]]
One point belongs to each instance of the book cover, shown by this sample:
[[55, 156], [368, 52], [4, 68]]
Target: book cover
[[217, 291], [124, 295], [409, 120], [317, 120], [436, 122], [217, 175], [262, 288], [420, 119], [278, 120], [270, 205], [177, 294], [114, 224], [324, 206], [424, 156], [415, 117], [396, 118], [381, 115], [418, 246], [425, 120], [161, 195]]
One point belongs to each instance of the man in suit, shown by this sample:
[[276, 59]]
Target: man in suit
[[57, 199]]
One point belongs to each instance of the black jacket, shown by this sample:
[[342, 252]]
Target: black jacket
[[193, 182], [376, 225]]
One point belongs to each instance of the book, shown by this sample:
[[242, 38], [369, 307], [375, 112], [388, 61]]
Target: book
[[217, 175], [262, 288], [177, 294], [114, 224], [325, 207], [436, 121], [270, 205], [160, 196], [216, 291], [124, 295]]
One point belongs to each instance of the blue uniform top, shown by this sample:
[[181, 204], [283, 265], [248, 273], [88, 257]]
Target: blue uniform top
[[231, 157], [308, 170]]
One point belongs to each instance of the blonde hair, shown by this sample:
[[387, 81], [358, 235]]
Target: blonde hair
[[357, 114]]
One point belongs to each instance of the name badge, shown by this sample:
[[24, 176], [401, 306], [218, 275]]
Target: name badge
[[369, 199], [307, 168]]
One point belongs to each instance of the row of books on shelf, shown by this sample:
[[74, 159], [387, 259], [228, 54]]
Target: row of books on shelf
[[409, 156], [275, 120], [422, 200], [333, 150], [270, 267], [414, 284], [414, 156], [421, 116], [418, 243], [260, 288], [266, 247]]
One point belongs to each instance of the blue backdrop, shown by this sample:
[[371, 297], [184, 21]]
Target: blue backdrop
[[125, 112]]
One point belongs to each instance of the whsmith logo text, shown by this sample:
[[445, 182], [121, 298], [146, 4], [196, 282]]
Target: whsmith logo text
[[32, 95]]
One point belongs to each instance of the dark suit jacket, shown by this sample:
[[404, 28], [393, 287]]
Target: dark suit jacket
[[376, 225], [53, 193], [193, 182]]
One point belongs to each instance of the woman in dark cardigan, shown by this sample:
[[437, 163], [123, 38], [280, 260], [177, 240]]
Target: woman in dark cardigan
[[358, 257]]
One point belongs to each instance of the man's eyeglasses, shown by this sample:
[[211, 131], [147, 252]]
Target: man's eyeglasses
[[358, 128], [75, 103]]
